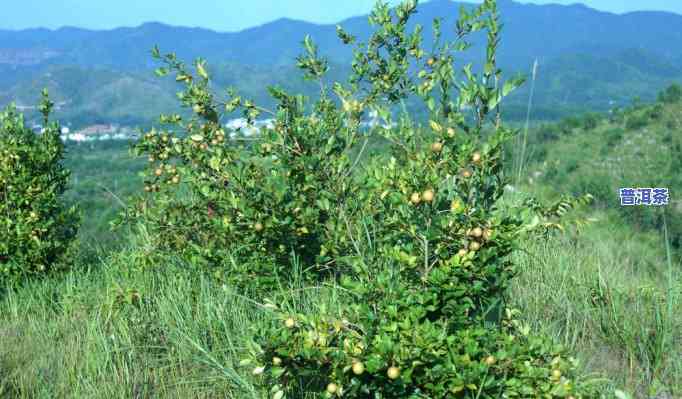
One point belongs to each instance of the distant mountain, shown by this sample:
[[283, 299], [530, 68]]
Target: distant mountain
[[530, 31], [588, 58]]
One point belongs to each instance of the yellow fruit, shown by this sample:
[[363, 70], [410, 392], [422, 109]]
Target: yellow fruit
[[556, 374], [490, 360], [431, 61], [428, 195], [204, 146], [33, 215], [176, 179], [158, 171], [197, 109], [393, 372], [451, 132], [456, 206], [358, 368], [258, 227], [415, 198], [214, 142], [476, 157], [289, 323], [462, 252], [466, 173], [332, 388], [276, 361], [147, 188], [474, 246], [477, 232], [437, 147], [487, 233]]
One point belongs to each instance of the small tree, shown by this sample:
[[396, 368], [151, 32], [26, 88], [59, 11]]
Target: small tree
[[417, 237], [36, 228]]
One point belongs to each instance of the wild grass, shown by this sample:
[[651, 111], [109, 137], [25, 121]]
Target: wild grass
[[112, 331]]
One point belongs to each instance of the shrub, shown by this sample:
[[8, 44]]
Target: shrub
[[613, 136], [430, 261], [282, 191], [590, 121], [36, 228], [672, 94], [636, 120]]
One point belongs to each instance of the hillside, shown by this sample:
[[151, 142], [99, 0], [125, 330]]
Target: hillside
[[640, 146]]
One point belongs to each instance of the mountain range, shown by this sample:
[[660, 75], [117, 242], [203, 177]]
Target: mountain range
[[588, 59]]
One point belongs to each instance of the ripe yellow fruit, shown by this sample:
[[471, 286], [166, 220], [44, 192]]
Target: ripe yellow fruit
[[487, 233], [176, 179], [490, 360], [428, 195], [204, 146], [451, 132], [476, 157], [462, 252], [358, 368], [556, 374], [466, 173], [474, 246], [289, 323], [332, 388], [393, 372], [258, 227], [477, 232], [158, 171], [147, 188], [415, 198], [431, 61], [437, 147], [276, 361]]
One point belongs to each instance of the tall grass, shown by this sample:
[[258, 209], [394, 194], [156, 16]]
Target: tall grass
[[612, 299]]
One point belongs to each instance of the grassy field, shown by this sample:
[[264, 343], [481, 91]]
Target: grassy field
[[611, 293]]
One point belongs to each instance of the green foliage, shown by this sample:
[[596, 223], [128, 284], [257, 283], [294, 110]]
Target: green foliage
[[636, 120], [36, 229], [416, 235], [672, 94]]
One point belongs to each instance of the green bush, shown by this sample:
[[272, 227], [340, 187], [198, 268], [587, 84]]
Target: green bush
[[636, 120], [416, 235], [36, 229], [613, 136], [672, 94], [590, 121], [430, 261]]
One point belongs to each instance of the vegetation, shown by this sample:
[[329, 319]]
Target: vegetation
[[409, 268], [36, 228]]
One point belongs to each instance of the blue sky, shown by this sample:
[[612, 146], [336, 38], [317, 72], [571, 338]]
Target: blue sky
[[227, 15]]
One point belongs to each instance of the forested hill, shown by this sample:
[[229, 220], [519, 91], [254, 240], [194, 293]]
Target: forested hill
[[587, 60]]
